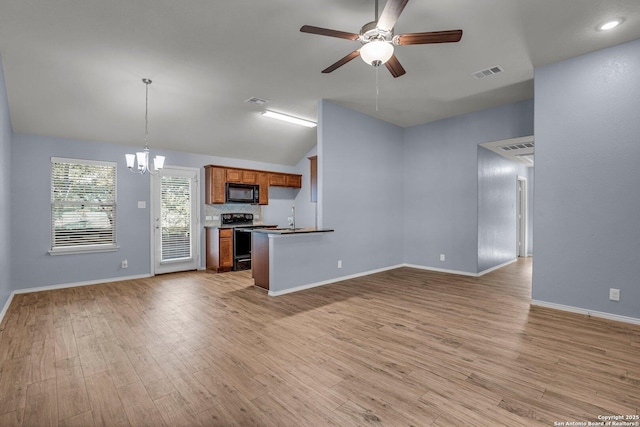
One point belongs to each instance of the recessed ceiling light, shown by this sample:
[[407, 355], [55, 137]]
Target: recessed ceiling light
[[290, 119], [610, 25]]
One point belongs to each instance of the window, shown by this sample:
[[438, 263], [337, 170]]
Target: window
[[83, 206], [175, 211]]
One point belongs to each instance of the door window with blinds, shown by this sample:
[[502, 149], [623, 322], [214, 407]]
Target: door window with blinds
[[175, 214], [83, 206]]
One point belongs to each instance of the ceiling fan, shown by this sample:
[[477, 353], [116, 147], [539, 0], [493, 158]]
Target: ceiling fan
[[377, 39]]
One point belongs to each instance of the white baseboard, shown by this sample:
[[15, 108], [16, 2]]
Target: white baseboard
[[440, 270], [327, 282], [366, 273], [489, 270], [587, 312], [73, 285], [458, 272]]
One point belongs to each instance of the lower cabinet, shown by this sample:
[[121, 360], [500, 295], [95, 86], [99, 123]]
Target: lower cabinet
[[219, 248]]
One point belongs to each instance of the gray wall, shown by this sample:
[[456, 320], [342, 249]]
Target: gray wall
[[32, 266], [360, 164], [441, 183], [497, 200], [587, 212], [530, 208], [5, 191]]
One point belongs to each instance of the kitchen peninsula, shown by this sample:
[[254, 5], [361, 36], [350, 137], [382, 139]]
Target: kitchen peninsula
[[265, 251]]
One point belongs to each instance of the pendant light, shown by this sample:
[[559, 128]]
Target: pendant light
[[143, 156]]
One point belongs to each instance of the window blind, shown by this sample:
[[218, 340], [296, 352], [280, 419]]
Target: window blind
[[176, 218], [83, 205]]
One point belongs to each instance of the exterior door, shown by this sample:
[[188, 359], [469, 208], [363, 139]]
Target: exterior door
[[176, 240]]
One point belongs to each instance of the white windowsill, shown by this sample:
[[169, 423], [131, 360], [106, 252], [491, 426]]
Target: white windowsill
[[71, 250]]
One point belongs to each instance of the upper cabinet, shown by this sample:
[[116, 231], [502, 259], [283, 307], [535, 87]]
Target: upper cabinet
[[285, 180], [216, 177], [313, 177], [244, 176]]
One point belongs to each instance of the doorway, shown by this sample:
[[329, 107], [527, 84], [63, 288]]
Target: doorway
[[521, 216], [175, 237]]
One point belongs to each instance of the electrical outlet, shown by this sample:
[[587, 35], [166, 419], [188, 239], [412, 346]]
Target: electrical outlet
[[614, 294], [339, 263], [441, 257], [125, 263], [208, 218]]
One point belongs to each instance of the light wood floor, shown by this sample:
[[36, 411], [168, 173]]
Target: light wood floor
[[403, 347]]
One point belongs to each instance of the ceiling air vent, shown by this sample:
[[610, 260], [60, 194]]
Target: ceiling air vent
[[488, 72], [517, 146], [256, 101]]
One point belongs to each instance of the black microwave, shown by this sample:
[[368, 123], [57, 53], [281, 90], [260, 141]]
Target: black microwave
[[242, 193]]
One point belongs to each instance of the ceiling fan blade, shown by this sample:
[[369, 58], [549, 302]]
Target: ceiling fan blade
[[390, 14], [451, 36], [394, 67], [341, 62], [327, 32]]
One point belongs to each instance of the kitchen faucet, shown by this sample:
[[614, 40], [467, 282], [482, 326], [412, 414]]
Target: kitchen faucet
[[292, 218]]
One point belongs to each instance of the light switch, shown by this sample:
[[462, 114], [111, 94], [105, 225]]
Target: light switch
[[142, 204]]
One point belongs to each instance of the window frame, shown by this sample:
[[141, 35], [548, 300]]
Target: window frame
[[83, 248]]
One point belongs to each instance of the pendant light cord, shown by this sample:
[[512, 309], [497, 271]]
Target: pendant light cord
[[146, 114]]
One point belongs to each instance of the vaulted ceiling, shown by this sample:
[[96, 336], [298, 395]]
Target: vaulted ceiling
[[74, 68]]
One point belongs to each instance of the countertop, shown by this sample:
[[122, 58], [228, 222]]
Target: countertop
[[241, 226], [287, 231]]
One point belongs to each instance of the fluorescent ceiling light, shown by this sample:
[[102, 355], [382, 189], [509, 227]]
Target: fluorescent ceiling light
[[289, 119], [609, 25]]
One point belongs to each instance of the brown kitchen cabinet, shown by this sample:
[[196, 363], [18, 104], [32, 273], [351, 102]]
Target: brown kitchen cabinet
[[250, 176], [244, 176], [214, 180], [294, 181], [219, 246], [233, 175], [313, 177], [277, 179], [263, 180], [285, 180]]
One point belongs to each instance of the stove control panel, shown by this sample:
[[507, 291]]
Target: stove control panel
[[236, 218]]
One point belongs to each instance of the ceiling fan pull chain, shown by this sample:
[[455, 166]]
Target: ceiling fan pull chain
[[377, 89]]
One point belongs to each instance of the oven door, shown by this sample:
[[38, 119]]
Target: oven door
[[241, 249]]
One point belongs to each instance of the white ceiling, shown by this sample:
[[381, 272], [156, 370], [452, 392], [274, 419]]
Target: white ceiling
[[74, 68]]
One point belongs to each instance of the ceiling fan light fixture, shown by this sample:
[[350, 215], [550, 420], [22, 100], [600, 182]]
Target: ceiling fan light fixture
[[376, 52]]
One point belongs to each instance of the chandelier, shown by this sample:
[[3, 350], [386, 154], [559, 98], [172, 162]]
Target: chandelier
[[143, 156]]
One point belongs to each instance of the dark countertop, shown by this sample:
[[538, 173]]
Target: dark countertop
[[241, 226], [288, 231]]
